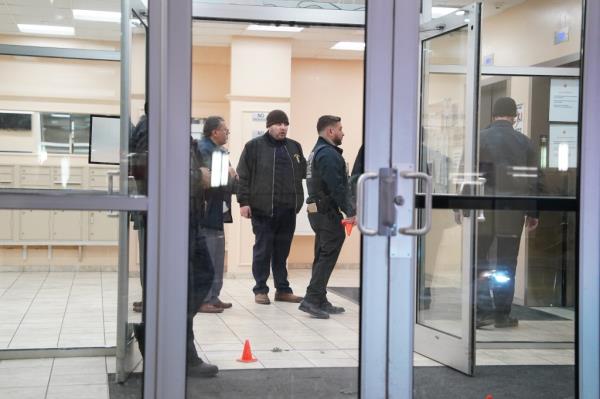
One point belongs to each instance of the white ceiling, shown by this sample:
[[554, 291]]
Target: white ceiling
[[313, 42]]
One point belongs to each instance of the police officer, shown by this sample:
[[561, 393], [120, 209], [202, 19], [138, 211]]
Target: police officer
[[329, 199]]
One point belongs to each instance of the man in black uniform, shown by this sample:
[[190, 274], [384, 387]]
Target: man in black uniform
[[508, 162], [271, 169], [328, 196]]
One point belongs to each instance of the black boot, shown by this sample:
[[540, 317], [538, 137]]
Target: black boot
[[200, 369], [313, 310], [329, 308]]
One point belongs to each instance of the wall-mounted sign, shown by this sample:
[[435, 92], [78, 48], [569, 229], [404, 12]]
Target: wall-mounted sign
[[259, 116], [564, 100], [563, 146], [519, 121]]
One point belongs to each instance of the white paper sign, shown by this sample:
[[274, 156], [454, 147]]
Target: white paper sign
[[564, 100], [563, 134]]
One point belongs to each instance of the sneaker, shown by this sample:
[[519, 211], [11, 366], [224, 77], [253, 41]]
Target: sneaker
[[313, 310], [201, 369], [287, 297], [209, 308], [262, 299], [329, 308], [506, 322], [223, 305]]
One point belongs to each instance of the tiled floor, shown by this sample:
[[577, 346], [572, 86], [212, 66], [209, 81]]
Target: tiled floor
[[79, 309]]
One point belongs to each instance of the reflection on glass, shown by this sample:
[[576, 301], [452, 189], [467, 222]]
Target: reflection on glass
[[530, 33], [439, 277], [526, 276], [58, 278]]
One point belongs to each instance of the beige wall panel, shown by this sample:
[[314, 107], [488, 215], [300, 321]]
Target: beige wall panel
[[103, 227], [34, 225], [67, 225], [6, 224]]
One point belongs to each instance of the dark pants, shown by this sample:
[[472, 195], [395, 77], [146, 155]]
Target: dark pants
[[498, 243], [273, 239], [329, 238], [215, 241], [200, 279]]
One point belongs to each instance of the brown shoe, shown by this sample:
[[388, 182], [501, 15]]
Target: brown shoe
[[287, 297], [262, 299], [209, 308], [223, 305], [138, 306]]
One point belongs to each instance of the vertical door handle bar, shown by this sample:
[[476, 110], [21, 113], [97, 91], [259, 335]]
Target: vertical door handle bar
[[360, 202], [411, 230]]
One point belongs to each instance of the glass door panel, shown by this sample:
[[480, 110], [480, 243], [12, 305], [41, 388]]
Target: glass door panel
[[443, 328]]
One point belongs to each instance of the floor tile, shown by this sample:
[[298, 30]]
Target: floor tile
[[78, 392], [23, 393]]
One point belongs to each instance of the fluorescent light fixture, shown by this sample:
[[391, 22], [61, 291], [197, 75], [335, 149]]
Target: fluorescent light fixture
[[47, 29], [98, 16], [437, 12], [460, 12], [352, 46], [61, 115], [273, 28]]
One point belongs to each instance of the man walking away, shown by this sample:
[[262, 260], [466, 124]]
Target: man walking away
[[329, 196]]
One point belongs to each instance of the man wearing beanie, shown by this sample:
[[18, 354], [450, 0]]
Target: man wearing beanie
[[271, 169], [503, 155]]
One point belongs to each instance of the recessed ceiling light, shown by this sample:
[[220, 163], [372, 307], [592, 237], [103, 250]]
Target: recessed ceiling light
[[460, 12], [273, 28], [99, 16], [47, 29], [352, 46], [437, 12]]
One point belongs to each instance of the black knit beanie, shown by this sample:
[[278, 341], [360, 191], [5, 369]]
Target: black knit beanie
[[277, 116], [504, 106]]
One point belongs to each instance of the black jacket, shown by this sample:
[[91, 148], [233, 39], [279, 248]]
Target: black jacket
[[256, 169], [327, 179]]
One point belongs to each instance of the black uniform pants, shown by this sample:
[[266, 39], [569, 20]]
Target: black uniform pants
[[200, 279], [498, 243], [273, 239], [329, 238]]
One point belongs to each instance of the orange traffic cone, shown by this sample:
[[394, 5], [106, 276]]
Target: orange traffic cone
[[348, 226], [489, 397], [247, 356]]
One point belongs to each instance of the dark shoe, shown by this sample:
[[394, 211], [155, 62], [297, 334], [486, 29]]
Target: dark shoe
[[484, 321], [201, 369], [138, 306], [287, 297], [329, 308], [223, 305], [262, 299], [506, 322], [313, 310], [139, 334], [209, 308]]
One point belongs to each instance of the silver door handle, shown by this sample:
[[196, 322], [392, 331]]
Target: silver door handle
[[411, 230], [360, 200]]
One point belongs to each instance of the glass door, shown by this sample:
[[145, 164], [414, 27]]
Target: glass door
[[449, 48]]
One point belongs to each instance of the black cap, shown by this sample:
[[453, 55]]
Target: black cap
[[505, 106], [277, 116]]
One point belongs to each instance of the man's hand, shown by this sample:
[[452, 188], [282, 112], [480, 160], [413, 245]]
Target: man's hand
[[232, 173], [531, 223], [245, 212]]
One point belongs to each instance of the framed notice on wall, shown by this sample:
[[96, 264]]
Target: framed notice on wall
[[105, 139], [564, 100], [563, 146]]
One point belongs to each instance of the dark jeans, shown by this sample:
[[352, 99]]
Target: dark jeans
[[501, 231], [273, 239], [200, 279], [328, 244]]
